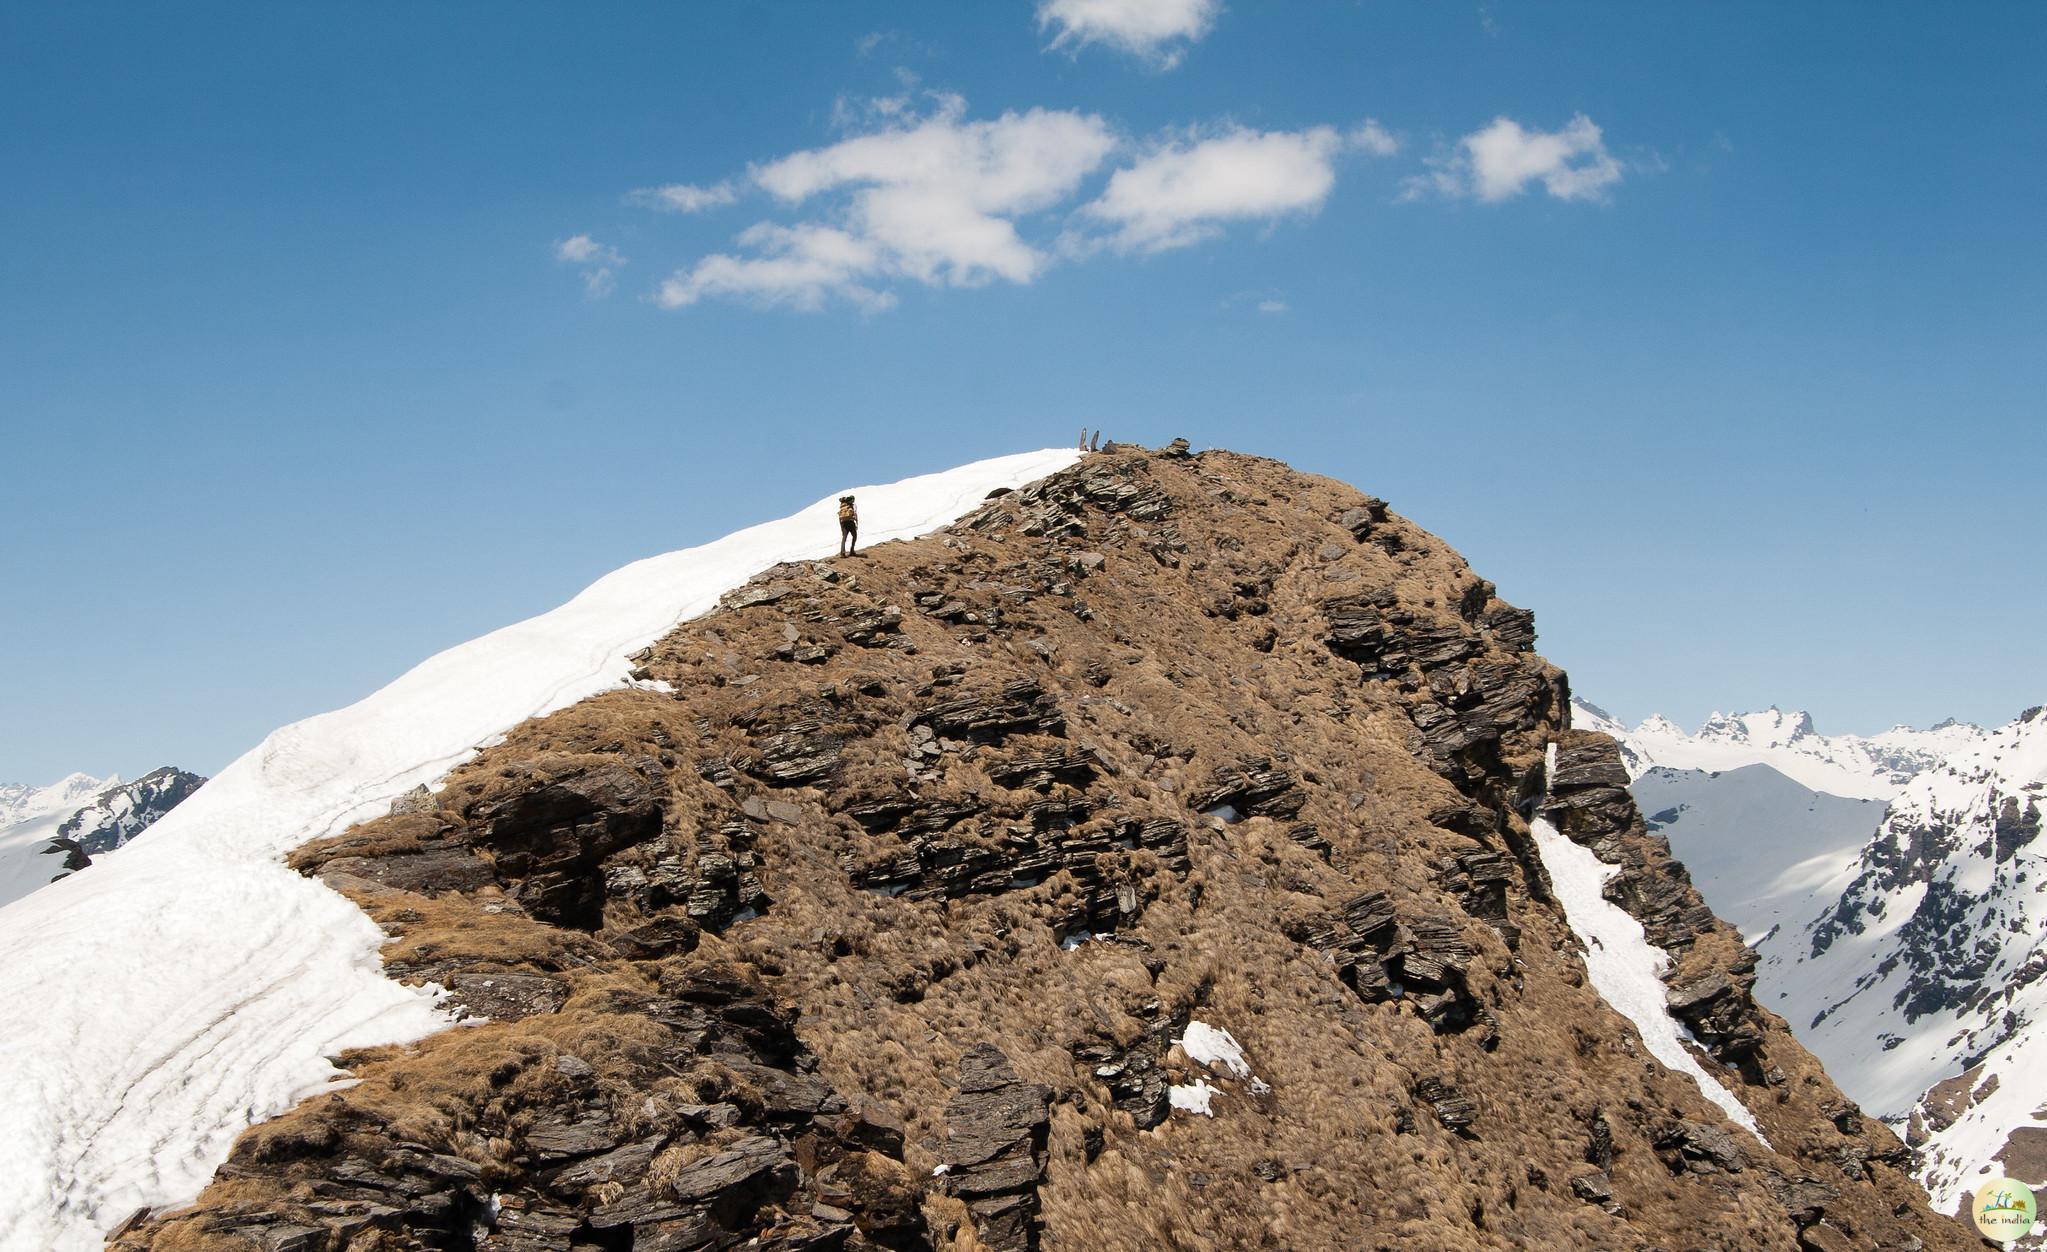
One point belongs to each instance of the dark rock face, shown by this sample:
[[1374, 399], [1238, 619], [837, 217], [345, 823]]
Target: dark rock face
[[1721, 1015], [74, 856], [1700, 1149], [1387, 640], [794, 1167], [549, 841], [1599, 1141], [796, 754], [1251, 788], [1422, 961], [1135, 1073], [996, 1130], [1587, 763], [433, 870], [1095, 855], [1017, 708], [2015, 827], [711, 876], [1510, 628], [1481, 881]]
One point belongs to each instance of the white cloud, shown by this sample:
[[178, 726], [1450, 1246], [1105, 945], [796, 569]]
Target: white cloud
[[583, 250], [1156, 30], [684, 197], [933, 199], [1372, 138], [599, 263], [1503, 159], [1183, 192], [1272, 306], [796, 266]]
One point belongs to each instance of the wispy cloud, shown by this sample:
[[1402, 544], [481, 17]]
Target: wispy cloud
[[1184, 191], [1370, 137], [799, 266], [1502, 160], [598, 262], [684, 197], [1156, 31], [1272, 306]]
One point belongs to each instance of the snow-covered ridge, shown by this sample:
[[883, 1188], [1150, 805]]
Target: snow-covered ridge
[[1869, 767], [201, 985], [1934, 957]]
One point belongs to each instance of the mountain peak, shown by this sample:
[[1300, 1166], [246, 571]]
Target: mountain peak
[[1168, 816]]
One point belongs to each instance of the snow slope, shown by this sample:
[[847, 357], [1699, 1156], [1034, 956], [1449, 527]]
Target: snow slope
[[163, 1001], [1933, 957], [1870, 767], [29, 818], [1762, 849]]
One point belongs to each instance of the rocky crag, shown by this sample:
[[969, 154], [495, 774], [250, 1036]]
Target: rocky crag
[[1143, 862], [120, 813]]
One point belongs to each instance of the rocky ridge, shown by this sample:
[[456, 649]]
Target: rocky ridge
[[873, 914], [119, 813]]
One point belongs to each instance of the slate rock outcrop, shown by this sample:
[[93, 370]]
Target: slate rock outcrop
[[996, 1129]]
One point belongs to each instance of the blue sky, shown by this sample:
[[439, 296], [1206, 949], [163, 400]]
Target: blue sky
[[334, 335]]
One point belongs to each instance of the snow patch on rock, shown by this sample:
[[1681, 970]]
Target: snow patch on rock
[[1194, 1098]]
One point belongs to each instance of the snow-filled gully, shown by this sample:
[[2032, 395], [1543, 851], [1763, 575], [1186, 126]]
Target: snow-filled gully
[[1624, 966]]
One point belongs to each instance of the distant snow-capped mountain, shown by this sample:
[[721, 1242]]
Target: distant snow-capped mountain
[[1897, 898], [121, 812], [1923, 983], [48, 832], [1870, 767]]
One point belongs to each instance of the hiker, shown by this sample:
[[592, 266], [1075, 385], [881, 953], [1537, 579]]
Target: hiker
[[849, 527]]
